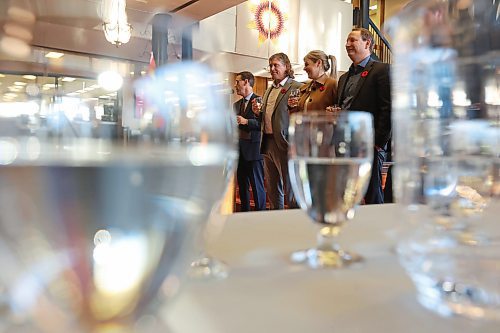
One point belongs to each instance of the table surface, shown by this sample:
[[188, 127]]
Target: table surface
[[266, 293]]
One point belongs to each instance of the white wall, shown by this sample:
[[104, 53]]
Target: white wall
[[328, 23], [217, 32], [309, 25]]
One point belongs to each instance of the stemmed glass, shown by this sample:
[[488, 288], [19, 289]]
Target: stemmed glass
[[95, 229], [293, 99], [330, 160], [257, 105], [206, 266]]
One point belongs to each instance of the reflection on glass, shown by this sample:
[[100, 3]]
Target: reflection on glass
[[93, 227], [447, 145]]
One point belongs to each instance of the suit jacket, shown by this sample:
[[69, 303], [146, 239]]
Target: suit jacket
[[318, 99], [280, 118], [372, 94], [249, 148]]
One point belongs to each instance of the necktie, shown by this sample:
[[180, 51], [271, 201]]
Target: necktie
[[242, 133], [242, 107]]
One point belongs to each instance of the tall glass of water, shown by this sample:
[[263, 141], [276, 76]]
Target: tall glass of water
[[330, 159], [96, 227]]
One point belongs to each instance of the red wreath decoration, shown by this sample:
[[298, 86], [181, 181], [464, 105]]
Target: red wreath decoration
[[364, 73], [322, 88], [265, 31], [283, 91]]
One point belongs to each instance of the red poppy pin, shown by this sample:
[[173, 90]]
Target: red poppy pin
[[364, 74], [283, 91], [322, 88]]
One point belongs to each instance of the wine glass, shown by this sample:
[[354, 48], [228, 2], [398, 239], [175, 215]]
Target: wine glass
[[330, 160], [335, 109], [257, 105], [293, 98], [207, 267], [94, 229]]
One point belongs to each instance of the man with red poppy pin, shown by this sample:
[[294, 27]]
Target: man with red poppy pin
[[275, 119], [366, 87]]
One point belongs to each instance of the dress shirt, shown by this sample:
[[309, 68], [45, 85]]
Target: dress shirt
[[245, 101], [271, 103], [352, 82]]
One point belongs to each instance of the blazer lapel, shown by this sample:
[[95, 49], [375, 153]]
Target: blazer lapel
[[362, 79], [237, 107], [287, 86], [248, 109]]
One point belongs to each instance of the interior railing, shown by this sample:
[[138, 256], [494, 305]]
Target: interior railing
[[382, 47]]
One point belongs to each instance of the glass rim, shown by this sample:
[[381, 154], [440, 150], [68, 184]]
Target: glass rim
[[315, 114]]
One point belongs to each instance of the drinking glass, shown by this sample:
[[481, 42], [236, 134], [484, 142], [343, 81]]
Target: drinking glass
[[330, 161], [446, 138], [293, 98], [96, 229], [257, 105], [454, 252], [206, 266]]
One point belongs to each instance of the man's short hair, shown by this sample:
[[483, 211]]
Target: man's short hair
[[245, 75], [283, 58], [366, 35]]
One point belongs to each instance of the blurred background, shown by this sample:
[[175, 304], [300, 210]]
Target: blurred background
[[83, 56]]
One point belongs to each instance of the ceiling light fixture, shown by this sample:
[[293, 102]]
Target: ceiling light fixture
[[110, 81], [116, 28], [54, 55]]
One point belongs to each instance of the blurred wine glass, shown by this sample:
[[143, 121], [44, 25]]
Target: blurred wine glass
[[96, 228], [206, 266], [330, 164]]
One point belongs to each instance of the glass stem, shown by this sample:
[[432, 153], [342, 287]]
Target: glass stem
[[326, 237]]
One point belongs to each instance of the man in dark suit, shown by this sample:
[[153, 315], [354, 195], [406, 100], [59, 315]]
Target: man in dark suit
[[250, 164], [275, 119], [366, 87]]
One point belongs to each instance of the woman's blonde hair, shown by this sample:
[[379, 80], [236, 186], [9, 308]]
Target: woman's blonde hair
[[316, 55]]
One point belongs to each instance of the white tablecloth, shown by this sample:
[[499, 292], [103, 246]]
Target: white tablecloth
[[266, 293]]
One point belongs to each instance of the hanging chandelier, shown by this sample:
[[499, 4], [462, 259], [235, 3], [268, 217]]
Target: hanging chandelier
[[116, 28]]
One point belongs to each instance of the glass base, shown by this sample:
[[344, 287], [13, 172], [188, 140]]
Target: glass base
[[456, 299], [208, 268], [455, 273], [316, 258]]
